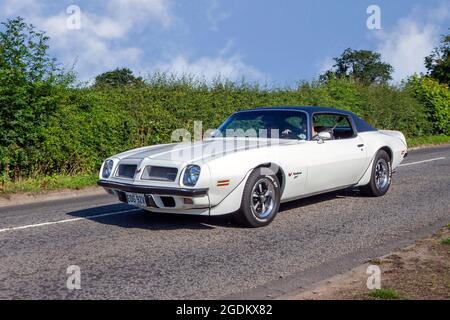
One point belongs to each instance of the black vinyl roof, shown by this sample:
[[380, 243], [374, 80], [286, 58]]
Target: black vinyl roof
[[360, 124]]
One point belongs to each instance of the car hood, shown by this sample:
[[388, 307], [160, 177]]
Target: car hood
[[200, 151]]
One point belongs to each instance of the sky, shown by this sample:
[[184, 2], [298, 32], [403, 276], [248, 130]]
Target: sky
[[276, 42]]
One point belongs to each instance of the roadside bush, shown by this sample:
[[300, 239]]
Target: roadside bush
[[94, 124], [435, 97], [388, 107], [31, 85]]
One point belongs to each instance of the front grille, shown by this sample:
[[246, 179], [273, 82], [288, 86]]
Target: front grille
[[126, 171], [159, 173]]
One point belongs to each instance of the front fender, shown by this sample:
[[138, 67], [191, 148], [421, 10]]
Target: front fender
[[231, 202], [226, 187]]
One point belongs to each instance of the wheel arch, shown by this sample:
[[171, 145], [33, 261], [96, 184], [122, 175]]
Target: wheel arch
[[231, 202], [365, 179], [279, 173], [389, 151]]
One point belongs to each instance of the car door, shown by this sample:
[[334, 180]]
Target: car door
[[338, 162]]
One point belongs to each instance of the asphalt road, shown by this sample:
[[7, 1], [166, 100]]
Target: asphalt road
[[126, 253]]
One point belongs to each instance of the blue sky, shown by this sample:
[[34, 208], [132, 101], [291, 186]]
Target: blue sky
[[275, 42]]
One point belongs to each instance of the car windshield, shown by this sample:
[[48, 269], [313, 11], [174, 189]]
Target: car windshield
[[282, 124]]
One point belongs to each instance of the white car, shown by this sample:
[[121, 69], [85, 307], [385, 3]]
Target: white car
[[256, 160]]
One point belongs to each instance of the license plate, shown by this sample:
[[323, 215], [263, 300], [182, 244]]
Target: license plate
[[136, 199]]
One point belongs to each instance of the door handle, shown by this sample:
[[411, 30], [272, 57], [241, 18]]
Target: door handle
[[361, 145]]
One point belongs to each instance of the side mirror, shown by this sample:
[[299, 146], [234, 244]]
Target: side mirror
[[213, 134], [324, 135]]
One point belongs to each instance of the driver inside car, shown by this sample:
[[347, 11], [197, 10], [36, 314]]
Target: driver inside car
[[315, 130]]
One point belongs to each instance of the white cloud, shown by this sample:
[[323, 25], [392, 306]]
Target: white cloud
[[412, 39], [226, 65], [104, 27], [92, 46], [91, 24], [131, 12], [210, 68], [11, 8], [99, 44], [406, 47]]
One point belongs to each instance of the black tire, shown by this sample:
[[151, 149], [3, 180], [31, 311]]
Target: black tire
[[248, 216], [381, 176]]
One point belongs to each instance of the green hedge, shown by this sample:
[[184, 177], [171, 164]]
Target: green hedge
[[91, 124], [435, 98]]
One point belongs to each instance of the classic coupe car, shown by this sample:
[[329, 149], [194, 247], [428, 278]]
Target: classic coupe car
[[256, 160]]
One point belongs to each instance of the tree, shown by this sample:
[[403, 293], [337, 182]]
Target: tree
[[118, 77], [29, 80], [438, 62], [360, 65]]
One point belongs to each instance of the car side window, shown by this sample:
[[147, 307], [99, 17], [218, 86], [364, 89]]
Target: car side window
[[339, 126]]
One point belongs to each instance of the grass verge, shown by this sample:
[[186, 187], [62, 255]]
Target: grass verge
[[41, 184], [420, 271], [429, 140], [385, 294]]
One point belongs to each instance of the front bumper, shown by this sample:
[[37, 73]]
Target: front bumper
[[163, 199], [166, 191]]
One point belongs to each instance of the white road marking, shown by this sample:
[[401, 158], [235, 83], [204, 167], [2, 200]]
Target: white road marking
[[67, 220], [423, 161]]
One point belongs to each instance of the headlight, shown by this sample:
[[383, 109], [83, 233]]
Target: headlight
[[191, 175], [107, 169]]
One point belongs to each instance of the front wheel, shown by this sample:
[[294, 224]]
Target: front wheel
[[260, 199], [380, 179]]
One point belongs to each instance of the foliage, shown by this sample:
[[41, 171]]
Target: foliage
[[363, 66], [435, 97], [392, 107], [94, 123], [438, 62], [46, 183], [385, 294], [117, 78], [428, 140], [30, 86]]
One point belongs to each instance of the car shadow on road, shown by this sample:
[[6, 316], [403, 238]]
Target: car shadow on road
[[304, 202], [126, 216]]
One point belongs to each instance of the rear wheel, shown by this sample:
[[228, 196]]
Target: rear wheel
[[260, 199], [380, 180]]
